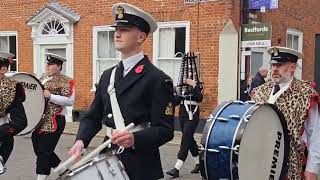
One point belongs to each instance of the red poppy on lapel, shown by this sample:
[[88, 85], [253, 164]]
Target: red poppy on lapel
[[139, 69]]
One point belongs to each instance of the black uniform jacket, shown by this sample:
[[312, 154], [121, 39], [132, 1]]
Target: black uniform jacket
[[145, 94], [197, 96]]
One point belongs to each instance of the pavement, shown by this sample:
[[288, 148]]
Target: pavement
[[21, 164], [72, 129]]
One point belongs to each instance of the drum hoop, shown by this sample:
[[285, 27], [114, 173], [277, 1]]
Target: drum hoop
[[286, 141], [209, 133], [45, 104], [90, 163]]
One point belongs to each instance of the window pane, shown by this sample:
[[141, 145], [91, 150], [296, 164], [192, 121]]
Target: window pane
[[13, 66], [295, 44], [4, 44], [180, 41], [13, 45], [106, 48], [53, 27], [289, 40], [171, 67], [166, 42], [103, 65]]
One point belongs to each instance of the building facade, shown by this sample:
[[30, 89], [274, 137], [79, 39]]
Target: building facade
[[81, 31]]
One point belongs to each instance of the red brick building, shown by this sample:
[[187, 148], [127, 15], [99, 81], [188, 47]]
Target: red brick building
[[80, 31]]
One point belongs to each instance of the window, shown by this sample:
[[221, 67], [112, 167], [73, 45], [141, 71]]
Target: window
[[294, 41], [170, 41], [104, 52], [8, 43], [53, 26]]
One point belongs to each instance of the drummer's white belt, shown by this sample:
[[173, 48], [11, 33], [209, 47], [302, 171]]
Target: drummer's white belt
[[187, 104], [117, 115]]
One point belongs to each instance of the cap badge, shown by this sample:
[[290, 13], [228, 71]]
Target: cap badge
[[275, 51], [120, 11]]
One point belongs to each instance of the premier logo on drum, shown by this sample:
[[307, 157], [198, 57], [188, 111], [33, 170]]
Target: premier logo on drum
[[29, 86], [275, 156]]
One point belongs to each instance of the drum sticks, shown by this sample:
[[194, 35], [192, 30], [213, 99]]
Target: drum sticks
[[91, 155]]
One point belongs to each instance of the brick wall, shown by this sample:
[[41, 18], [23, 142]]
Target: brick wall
[[206, 22], [300, 15]]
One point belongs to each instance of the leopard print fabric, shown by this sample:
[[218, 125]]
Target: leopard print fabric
[[294, 104], [7, 95], [58, 85]]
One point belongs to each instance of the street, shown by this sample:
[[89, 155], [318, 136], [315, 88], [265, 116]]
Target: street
[[21, 164]]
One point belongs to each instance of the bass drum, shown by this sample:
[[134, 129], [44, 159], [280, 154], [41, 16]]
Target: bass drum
[[246, 141], [35, 103]]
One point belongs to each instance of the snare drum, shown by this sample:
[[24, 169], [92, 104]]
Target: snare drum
[[102, 167], [35, 103], [245, 141]]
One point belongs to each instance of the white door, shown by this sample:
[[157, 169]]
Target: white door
[[67, 68]]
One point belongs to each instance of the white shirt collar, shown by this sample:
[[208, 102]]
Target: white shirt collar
[[283, 88], [286, 84], [131, 61]]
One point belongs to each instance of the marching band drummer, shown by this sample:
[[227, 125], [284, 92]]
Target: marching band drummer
[[299, 102], [141, 94], [12, 115], [189, 119], [59, 91]]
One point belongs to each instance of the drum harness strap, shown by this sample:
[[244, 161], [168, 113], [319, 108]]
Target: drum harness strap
[[187, 104], [117, 115]]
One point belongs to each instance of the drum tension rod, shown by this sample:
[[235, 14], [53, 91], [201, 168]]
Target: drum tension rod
[[235, 117], [236, 148], [246, 118], [210, 118], [250, 102], [238, 102], [223, 119], [201, 148]]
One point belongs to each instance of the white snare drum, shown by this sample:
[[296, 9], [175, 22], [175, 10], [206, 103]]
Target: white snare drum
[[102, 167], [34, 105], [2, 167]]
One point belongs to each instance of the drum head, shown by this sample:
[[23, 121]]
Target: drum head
[[264, 146], [34, 105]]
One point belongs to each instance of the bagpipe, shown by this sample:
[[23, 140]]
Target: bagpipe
[[189, 69]]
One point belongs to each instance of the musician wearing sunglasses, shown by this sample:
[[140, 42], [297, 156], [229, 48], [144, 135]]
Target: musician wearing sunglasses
[[299, 103], [59, 93], [12, 114]]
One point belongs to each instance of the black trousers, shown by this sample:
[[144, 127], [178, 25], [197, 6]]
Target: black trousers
[[44, 145], [188, 127], [6, 147]]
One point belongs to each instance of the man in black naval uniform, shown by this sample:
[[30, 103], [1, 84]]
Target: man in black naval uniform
[[12, 115], [189, 119], [144, 94]]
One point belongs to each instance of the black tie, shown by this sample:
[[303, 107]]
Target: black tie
[[276, 88], [119, 72]]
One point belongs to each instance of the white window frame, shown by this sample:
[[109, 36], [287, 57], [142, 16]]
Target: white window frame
[[13, 33], [63, 22], [156, 36], [97, 29], [295, 32]]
